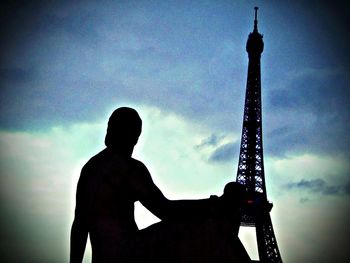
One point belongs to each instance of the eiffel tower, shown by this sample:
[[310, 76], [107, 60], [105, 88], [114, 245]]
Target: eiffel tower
[[251, 165]]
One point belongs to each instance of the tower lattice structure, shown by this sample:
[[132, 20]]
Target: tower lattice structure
[[251, 163]]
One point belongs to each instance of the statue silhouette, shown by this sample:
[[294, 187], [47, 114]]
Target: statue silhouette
[[112, 181]]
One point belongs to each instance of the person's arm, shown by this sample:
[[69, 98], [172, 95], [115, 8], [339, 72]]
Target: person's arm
[[153, 199], [78, 240], [79, 231]]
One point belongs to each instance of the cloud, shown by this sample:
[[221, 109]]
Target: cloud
[[212, 140], [346, 188], [306, 168], [308, 113], [311, 228], [219, 148], [225, 153], [16, 75], [72, 61], [319, 186], [117, 53], [39, 172]]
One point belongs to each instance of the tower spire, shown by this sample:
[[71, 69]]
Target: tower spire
[[256, 19], [255, 43]]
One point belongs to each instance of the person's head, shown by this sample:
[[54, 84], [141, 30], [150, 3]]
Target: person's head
[[124, 128]]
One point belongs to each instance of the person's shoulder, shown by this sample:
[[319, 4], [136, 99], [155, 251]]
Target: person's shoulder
[[94, 160], [138, 163], [141, 177], [139, 166]]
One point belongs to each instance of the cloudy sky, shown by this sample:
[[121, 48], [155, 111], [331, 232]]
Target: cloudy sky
[[66, 65]]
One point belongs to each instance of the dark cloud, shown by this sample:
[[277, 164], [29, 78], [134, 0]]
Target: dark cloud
[[320, 91], [19, 24], [304, 200], [224, 153], [315, 106], [68, 44], [319, 186], [306, 104], [73, 62], [347, 188], [14, 75], [212, 140]]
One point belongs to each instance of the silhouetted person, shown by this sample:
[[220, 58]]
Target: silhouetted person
[[109, 185]]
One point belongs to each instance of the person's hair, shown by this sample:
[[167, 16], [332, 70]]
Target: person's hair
[[124, 127]]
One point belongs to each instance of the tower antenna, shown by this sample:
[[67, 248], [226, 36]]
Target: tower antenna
[[256, 19]]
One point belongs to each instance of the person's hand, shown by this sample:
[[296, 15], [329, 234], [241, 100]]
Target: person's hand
[[233, 198], [234, 193]]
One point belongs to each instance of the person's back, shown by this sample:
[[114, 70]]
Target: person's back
[[107, 201]]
